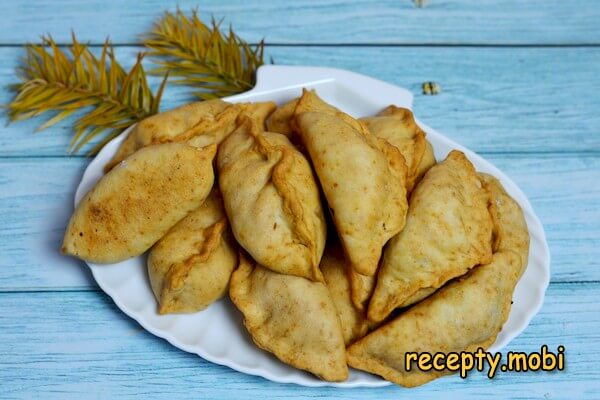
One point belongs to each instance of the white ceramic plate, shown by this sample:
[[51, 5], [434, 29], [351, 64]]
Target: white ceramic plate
[[217, 334]]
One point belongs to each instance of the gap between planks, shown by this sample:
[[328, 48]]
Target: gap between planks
[[358, 44], [97, 289], [551, 153]]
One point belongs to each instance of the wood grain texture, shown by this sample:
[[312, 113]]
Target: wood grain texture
[[37, 197], [533, 111], [79, 344], [310, 21], [492, 100]]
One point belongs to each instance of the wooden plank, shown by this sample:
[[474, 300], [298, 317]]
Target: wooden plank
[[73, 344], [306, 21], [37, 194], [492, 100]]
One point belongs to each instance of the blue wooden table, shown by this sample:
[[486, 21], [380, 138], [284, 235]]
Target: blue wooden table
[[520, 85]]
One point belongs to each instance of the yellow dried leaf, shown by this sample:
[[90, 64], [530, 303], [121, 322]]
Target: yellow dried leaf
[[66, 81]]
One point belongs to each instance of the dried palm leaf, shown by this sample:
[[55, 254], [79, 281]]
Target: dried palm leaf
[[201, 56], [63, 82]]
